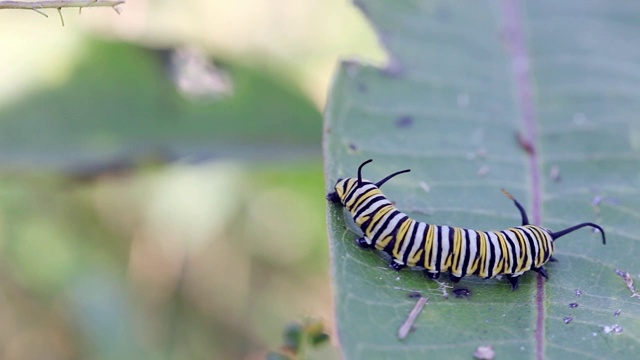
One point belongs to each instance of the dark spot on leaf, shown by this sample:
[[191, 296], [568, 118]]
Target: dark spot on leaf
[[462, 293], [404, 121], [525, 144], [567, 319], [554, 173], [617, 313], [573, 305], [578, 292], [353, 146], [414, 295], [443, 14]]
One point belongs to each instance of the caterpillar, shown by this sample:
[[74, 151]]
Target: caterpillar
[[441, 248]]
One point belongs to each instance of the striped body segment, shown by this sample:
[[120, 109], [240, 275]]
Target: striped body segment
[[441, 248]]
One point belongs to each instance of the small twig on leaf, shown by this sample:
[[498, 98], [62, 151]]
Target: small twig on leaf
[[407, 326]]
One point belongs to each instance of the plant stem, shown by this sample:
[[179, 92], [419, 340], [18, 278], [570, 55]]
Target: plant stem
[[33, 5]]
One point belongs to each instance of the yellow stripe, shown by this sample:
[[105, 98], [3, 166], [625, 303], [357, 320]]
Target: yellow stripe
[[350, 186], [473, 263], [381, 244], [428, 248], [400, 239], [381, 213], [522, 240], [484, 246], [457, 246], [449, 259], [504, 253], [414, 260], [366, 196], [542, 244]]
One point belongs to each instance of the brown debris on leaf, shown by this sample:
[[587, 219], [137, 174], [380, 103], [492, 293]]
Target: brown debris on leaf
[[628, 279]]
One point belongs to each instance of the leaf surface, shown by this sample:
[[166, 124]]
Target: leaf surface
[[540, 98]]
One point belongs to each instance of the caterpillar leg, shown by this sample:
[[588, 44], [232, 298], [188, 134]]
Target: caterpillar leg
[[396, 266], [454, 278], [541, 271], [552, 259], [362, 242], [432, 275], [514, 281]]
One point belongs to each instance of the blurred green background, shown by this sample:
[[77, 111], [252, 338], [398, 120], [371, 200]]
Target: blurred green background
[[161, 180]]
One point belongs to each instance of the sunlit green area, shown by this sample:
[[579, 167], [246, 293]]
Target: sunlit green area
[[161, 180]]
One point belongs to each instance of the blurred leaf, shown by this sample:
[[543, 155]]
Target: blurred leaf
[[293, 335], [464, 79], [278, 356], [120, 103]]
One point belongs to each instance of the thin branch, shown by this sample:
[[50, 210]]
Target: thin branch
[[60, 4]]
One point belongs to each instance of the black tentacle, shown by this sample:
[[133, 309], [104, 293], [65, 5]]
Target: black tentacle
[[564, 232], [523, 213], [379, 183], [360, 171]]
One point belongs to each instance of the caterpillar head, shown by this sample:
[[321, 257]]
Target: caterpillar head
[[346, 186]]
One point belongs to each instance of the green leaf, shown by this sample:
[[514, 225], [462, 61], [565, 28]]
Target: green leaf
[[120, 103], [464, 78]]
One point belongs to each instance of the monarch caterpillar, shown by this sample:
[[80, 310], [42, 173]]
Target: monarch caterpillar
[[441, 248]]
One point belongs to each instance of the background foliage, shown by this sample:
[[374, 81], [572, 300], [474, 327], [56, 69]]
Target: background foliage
[[161, 182]]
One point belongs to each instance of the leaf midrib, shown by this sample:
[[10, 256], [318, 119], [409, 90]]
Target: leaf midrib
[[520, 67]]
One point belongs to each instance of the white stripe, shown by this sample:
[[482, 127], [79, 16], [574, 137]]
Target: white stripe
[[419, 240], [359, 191], [371, 208], [463, 250], [445, 246], [407, 238], [490, 246], [473, 248], [389, 229]]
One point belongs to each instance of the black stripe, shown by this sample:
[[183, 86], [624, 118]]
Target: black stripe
[[512, 250], [366, 204], [347, 194], [375, 223], [391, 215], [439, 249], [423, 258], [467, 252], [471, 261], [370, 224], [451, 249], [507, 246], [493, 255], [533, 249], [542, 244], [394, 236], [412, 241]]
